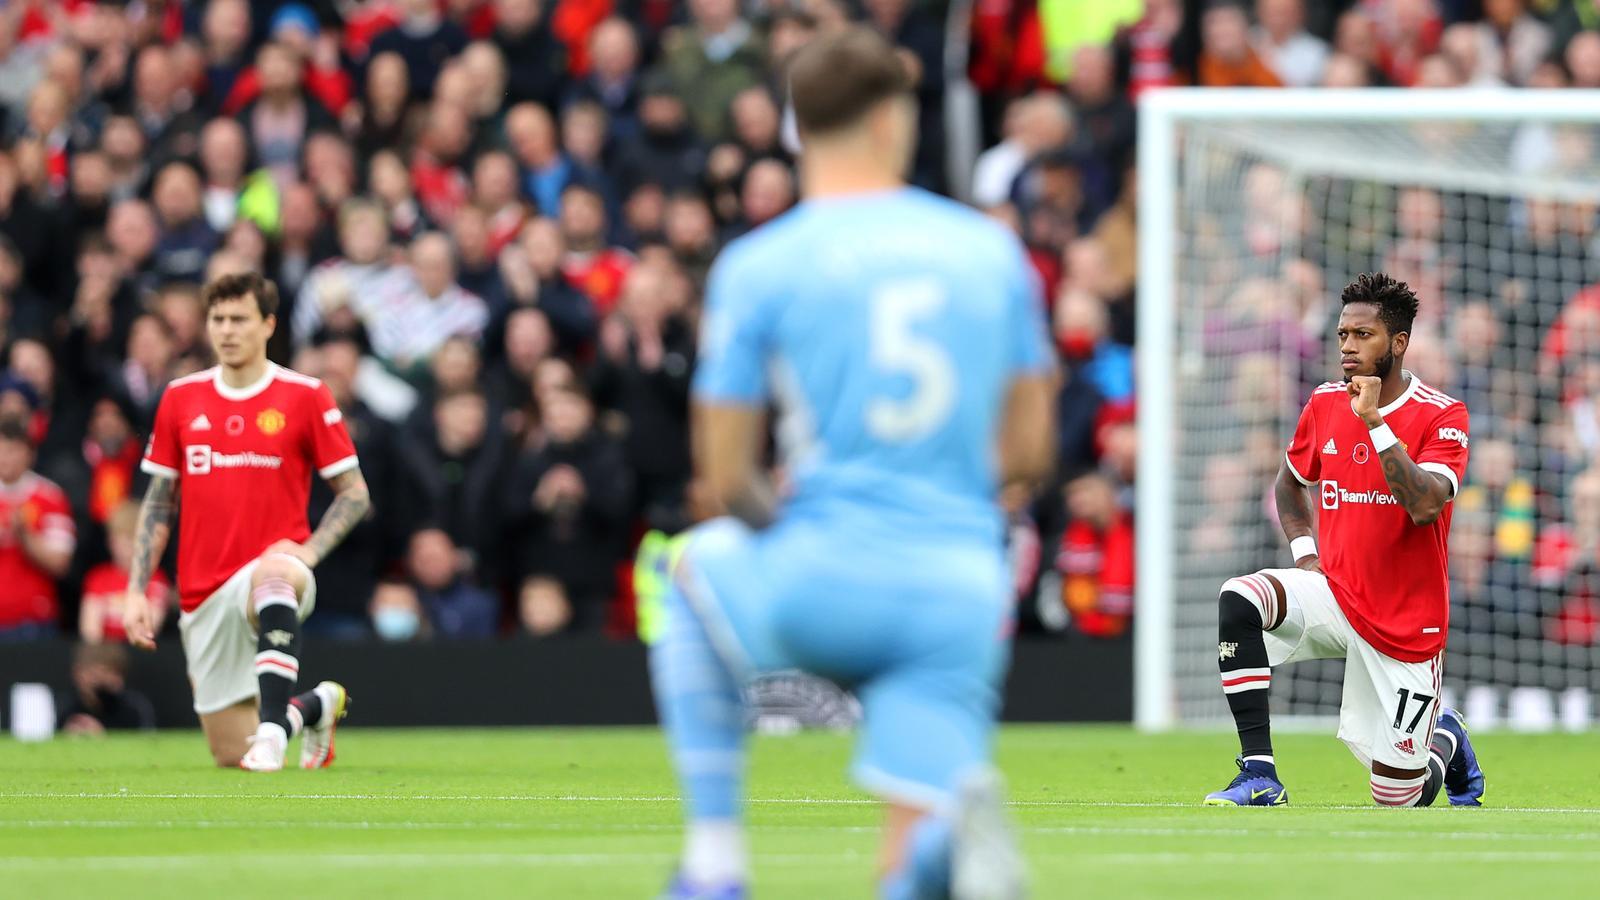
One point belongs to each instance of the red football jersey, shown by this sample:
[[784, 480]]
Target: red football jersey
[[27, 592], [243, 458], [1390, 576], [106, 585]]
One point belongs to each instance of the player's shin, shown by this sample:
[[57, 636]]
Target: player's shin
[[700, 706], [1242, 659], [277, 649], [924, 870]]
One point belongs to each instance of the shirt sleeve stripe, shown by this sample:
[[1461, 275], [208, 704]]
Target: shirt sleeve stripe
[[340, 467], [1446, 471], [332, 417], [150, 467], [1296, 472]]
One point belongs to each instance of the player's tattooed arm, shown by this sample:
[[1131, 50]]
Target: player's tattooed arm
[[1294, 511], [150, 536], [351, 503], [1422, 493]]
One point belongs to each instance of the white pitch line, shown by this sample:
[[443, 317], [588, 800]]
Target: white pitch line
[[439, 860], [618, 827], [390, 861], [780, 801]]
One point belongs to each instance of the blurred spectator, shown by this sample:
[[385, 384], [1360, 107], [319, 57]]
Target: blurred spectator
[[534, 275], [666, 149], [711, 60], [767, 193], [531, 132], [542, 607], [424, 38], [412, 316], [1512, 41], [1295, 56], [284, 115], [100, 699], [591, 264], [106, 585], [1105, 118], [647, 351], [1034, 124], [436, 163], [389, 182], [567, 508], [225, 35], [186, 241], [224, 153], [1407, 32], [1583, 59], [495, 190], [363, 266], [1226, 57], [36, 541], [382, 123], [348, 577], [456, 607], [1082, 333], [160, 107], [613, 77], [397, 614], [477, 269], [689, 229], [535, 60], [583, 143], [458, 472], [1096, 558]]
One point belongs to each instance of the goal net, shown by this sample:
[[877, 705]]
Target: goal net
[[1256, 209]]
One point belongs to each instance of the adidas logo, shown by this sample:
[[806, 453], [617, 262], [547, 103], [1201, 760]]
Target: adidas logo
[[1406, 746], [200, 423], [1329, 449]]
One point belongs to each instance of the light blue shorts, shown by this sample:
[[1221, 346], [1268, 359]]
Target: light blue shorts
[[918, 629]]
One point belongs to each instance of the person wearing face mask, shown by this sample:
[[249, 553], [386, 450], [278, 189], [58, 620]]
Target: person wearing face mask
[[1081, 334], [569, 503], [397, 613]]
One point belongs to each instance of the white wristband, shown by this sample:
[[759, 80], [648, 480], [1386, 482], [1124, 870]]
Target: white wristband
[[1303, 546], [1383, 438]]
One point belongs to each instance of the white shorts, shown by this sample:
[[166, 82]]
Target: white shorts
[[219, 643], [1389, 707]]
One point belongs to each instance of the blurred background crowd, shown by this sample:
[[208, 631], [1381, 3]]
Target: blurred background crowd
[[491, 222]]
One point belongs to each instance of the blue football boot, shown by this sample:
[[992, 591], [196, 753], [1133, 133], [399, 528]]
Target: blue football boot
[[681, 889], [1463, 778], [1256, 785]]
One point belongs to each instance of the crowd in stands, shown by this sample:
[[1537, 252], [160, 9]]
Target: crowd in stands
[[491, 222]]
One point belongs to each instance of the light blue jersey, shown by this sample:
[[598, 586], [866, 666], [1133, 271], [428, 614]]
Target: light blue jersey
[[885, 328]]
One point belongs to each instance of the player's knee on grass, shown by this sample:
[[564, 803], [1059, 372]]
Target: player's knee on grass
[[1401, 787]]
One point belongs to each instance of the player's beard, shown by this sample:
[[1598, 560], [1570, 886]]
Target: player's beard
[[1381, 368]]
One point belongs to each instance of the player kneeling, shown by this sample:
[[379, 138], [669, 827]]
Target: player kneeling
[[237, 444], [1389, 453]]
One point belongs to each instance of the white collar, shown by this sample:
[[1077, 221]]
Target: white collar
[[249, 390], [1411, 389]]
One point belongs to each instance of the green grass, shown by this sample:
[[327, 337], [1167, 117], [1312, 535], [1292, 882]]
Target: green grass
[[588, 813]]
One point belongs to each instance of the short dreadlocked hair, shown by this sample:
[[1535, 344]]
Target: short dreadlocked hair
[[1395, 300]]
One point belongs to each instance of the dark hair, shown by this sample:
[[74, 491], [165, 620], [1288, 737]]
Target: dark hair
[[835, 79], [15, 430], [239, 286], [1396, 302]]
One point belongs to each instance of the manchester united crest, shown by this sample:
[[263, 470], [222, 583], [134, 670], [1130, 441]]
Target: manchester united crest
[[271, 421]]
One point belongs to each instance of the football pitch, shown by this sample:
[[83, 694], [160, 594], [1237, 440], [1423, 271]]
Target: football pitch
[[567, 813]]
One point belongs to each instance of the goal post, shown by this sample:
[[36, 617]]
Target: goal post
[[1255, 208]]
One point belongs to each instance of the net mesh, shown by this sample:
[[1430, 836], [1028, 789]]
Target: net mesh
[[1495, 226]]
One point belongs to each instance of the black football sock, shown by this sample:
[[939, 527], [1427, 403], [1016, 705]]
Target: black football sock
[[1246, 677], [277, 648], [305, 711]]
